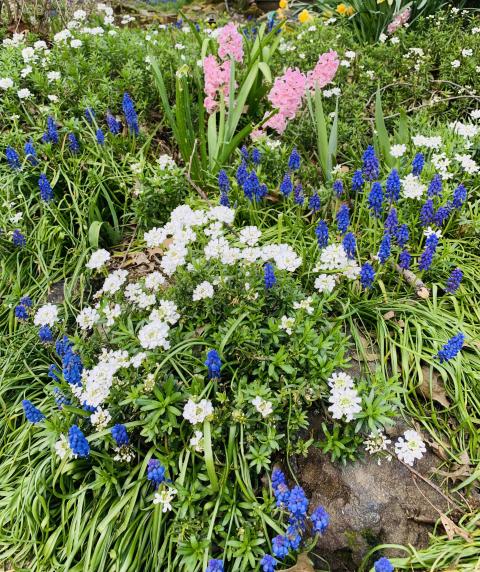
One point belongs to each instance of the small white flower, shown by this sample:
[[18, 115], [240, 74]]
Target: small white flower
[[413, 188], [98, 259], [46, 315], [429, 142], [325, 283], [196, 442], [345, 403], [76, 43], [53, 98], [339, 381], [154, 335], [154, 280], [62, 448], [305, 305], [100, 418], [197, 412], [265, 408], [410, 447], [467, 52], [79, 15], [6, 83], [455, 64], [429, 231], [395, 40], [475, 114], [166, 163], [250, 235], [398, 150], [202, 291], [24, 93], [350, 55], [53, 76], [87, 318], [287, 324], [164, 498]]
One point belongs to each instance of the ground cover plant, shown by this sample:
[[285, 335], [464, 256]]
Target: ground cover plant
[[214, 238]]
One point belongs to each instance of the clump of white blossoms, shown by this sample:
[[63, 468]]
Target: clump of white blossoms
[[412, 187], [98, 259], [398, 150], [325, 283], [264, 407], [100, 418], [287, 324], [434, 142], [410, 447], [46, 315], [344, 399], [377, 444], [334, 257], [196, 442], [305, 305], [164, 498], [62, 448], [87, 318], [202, 291], [197, 412]]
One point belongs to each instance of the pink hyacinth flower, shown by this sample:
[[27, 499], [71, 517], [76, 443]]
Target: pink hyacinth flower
[[230, 43], [325, 70], [217, 80]]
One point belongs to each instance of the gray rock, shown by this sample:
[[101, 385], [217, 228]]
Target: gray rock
[[370, 504]]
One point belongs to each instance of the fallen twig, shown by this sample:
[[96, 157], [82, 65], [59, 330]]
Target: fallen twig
[[420, 289]]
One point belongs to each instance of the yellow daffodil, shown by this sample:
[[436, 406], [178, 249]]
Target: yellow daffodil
[[283, 4], [305, 16], [345, 10]]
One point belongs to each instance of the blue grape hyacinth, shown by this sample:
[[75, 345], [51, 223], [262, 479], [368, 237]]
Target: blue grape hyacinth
[[426, 258], [343, 219], [385, 248], [21, 312], [215, 565], [286, 187], [459, 196], [338, 188], [435, 187], [214, 364], [251, 186], [256, 156], [349, 244], [402, 235], [393, 186], [367, 275], [30, 153], [119, 433], [427, 213], [51, 136], [114, 126], [391, 222], [130, 114], [268, 563], [32, 414], [357, 181], [269, 276], [321, 232], [13, 158], [280, 546], [45, 334], [298, 196], [73, 143], [320, 519], [314, 202], [297, 503], [77, 442], [294, 160], [155, 472], [100, 136], [405, 259], [223, 181], [375, 199], [453, 282], [451, 348], [18, 239], [371, 168], [46, 191], [383, 565], [418, 164]]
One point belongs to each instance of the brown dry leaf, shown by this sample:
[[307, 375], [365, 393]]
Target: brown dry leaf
[[434, 391], [389, 315], [303, 565], [137, 259], [452, 529], [154, 251], [440, 450], [366, 346], [462, 471]]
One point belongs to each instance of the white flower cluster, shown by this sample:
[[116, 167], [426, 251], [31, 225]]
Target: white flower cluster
[[412, 187], [410, 447], [181, 231], [428, 142], [46, 315], [466, 130], [344, 398], [197, 412], [155, 333], [264, 407], [334, 257], [98, 259]]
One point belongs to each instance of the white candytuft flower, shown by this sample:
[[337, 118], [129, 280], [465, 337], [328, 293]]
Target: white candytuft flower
[[154, 335], [265, 408], [202, 291], [164, 498], [250, 235], [62, 448], [398, 150], [197, 412], [46, 315], [410, 447], [287, 324], [413, 188], [87, 318], [345, 403], [100, 418], [196, 442], [114, 281], [154, 280], [340, 381], [325, 283], [98, 259]]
